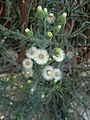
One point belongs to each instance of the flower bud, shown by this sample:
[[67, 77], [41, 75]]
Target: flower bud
[[45, 13], [55, 81], [14, 77], [64, 14], [29, 81], [28, 72], [42, 95], [7, 79], [56, 29], [29, 33], [23, 72], [49, 35], [62, 19], [39, 12], [45, 10], [39, 8], [59, 27], [56, 51], [21, 86], [26, 30], [32, 90], [50, 59]]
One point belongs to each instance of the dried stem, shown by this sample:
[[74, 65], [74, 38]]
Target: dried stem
[[24, 7]]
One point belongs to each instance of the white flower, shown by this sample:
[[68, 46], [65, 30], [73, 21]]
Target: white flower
[[31, 52], [51, 18], [28, 73], [60, 57], [41, 57], [48, 73], [57, 74], [27, 63]]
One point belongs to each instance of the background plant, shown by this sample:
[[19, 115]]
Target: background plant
[[15, 91]]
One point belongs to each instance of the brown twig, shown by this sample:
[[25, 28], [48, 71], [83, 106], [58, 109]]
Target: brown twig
[[24, 7], [1, 9]]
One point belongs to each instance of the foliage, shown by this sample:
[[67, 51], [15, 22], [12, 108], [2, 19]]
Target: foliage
[[34, 98]]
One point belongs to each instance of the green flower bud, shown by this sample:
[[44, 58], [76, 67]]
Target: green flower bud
[[56, 29], [23, 72], [49, 35], [39, 12], [32, 90], [55, 81], [56, 51], [39, 8], [29, 81], [45, 13], [14, 77], [4, 78], [29, 33], [62, 19], [21, 86], [45, 10], [42, 95], [7, 79]]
